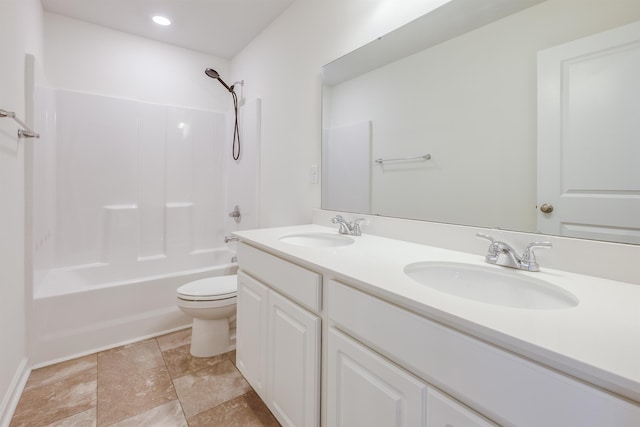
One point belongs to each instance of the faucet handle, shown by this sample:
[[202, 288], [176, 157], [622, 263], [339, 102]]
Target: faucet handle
[[486, 237], [344, 225], [493, 251], [528, 261], [337, 219], [355, 227]]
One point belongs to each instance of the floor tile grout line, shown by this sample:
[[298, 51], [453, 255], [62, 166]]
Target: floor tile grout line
[[98, 387], [164, 360], [96, 406], [225, 357]]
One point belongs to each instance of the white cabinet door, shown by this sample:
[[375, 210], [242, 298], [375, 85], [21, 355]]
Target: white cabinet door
[[293, 363], [442, 411], [251, 332], [366, 390]]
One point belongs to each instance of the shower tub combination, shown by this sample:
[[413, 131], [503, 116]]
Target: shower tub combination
[[81, 310], [129, 203]]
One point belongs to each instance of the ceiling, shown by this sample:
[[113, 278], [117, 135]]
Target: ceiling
[[218, 27]]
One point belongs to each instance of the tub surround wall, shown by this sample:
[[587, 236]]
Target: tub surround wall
[[138, 208], [43, 183], [152, 174], [133, 181], [149, 92]]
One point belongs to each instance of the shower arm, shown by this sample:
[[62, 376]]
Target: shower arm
[[229, 88]]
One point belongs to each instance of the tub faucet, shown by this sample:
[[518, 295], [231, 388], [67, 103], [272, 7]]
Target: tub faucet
[[350, 228], [501, 253], [228, 239]]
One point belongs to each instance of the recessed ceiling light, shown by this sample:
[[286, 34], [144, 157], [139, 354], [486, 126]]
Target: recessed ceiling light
[[161, 20]]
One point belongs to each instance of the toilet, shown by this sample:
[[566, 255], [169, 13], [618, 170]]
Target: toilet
[[211, 302]]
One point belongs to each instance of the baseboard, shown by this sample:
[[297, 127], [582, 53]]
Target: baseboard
[[108, 346], [11, 398]]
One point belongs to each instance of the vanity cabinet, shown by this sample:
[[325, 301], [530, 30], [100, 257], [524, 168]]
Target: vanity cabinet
[[386, 365], [278, 335], [366, 389], [503, 387]]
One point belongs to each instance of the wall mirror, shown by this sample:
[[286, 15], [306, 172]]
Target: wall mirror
[[522, 115]]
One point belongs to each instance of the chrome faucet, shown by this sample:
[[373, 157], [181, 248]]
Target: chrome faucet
[[350, 228], [228, 239], [501, 253]]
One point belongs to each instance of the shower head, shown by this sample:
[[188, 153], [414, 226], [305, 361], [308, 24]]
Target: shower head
[[214, 75]]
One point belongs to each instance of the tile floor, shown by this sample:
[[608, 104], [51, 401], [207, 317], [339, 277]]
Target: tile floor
[[155, 382]]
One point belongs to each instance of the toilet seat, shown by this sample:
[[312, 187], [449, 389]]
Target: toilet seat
[[210, 289]]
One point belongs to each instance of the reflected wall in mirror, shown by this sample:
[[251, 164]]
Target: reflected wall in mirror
[[474, 99]]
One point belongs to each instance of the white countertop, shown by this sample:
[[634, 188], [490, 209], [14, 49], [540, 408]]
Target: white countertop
[[597, 341]]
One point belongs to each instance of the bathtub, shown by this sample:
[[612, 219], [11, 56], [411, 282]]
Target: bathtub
[[83, 309]]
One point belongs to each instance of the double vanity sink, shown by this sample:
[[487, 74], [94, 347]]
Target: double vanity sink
[[485, 284], [463, 341]]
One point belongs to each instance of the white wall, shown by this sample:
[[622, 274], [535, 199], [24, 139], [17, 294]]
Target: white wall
[[282, 67], [20, 30], [88, 58]]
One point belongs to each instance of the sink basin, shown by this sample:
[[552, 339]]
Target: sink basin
[[318, 240], [491, 285]]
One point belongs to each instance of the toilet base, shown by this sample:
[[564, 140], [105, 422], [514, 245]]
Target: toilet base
[[209, 337]]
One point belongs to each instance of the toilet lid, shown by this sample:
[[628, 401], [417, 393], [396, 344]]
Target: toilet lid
[[209, 289]]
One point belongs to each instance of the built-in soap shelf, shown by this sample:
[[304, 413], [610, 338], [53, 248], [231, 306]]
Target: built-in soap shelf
[[121, 231]]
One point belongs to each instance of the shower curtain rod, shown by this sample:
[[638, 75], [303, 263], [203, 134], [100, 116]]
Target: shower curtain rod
[[25, 132]]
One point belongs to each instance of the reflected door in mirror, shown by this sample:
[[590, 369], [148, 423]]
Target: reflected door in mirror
[[589, 136]]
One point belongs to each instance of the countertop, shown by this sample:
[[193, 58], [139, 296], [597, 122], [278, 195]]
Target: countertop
[[597, 341]]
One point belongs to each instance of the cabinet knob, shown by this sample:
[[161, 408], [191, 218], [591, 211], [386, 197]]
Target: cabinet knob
[[546, 208]]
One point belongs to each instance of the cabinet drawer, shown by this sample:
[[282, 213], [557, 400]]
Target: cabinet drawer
[[506, 388], [298, 283], [443, 411]]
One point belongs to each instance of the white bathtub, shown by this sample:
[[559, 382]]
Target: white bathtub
[[84, 309]]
